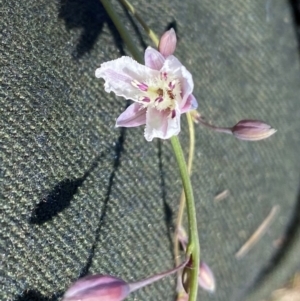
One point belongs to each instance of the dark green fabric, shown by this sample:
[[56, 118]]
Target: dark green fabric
[[79, 196]]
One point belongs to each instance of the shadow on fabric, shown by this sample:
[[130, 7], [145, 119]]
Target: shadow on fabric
[[34, 295], [119, 148], [64, 192], [90, 16], [59, 198], [295, 8]]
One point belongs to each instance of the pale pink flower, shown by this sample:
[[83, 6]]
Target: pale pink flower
[[161, 90]]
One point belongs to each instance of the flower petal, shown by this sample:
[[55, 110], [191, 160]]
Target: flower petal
[[187, 85], [134, 115], [190, 104], [160, 125], [173, 66], [119, 74], [153, 59]]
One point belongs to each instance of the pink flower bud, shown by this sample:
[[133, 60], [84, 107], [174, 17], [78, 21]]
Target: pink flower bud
[[206, 278], [108, 288], [185, 278], [97, 287], [182, 237], [252, 130], [167, 43]]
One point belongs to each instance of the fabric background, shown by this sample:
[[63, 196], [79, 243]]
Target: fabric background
[[79, 196]]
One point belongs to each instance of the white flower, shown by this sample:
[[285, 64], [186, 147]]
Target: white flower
[[161, 90]]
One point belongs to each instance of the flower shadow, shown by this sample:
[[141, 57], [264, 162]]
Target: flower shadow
[[90, 16], [118, 150], [59, 198], [34, 295]]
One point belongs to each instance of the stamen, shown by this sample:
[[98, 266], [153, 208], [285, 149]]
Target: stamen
[[159, 98], [164, 75], [173, 114], [142, 86], [172, 84], [144, 99], [170, 93]]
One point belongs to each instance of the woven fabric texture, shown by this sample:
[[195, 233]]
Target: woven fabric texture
[[78, 196]]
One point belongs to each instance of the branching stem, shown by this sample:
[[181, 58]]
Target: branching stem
[[193, 248]]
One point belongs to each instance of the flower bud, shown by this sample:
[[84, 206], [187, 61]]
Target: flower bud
[[185, 278], [182, 237], [167, 43], [252, 130], [206, 278], [97, 287]]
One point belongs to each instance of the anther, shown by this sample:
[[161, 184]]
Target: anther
[[164, 75], [142, 86], [172, 84], [159, 98], [144, 99]]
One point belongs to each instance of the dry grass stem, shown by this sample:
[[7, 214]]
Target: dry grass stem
[[256, 236], [221, 196]]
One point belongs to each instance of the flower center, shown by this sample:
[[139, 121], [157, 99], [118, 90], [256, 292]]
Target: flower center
[[160, 93]]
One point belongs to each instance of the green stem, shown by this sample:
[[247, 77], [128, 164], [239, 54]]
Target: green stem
[[193, 247], [149, 31], [182, 197], [122, 31]]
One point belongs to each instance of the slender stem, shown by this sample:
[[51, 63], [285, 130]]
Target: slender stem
[[193, 247], [192, 142], [149, 31], [139, 284], [182, 197], [215, 128], [123, 32]]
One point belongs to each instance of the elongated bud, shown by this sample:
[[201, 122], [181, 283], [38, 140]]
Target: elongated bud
[[167, 43], [185, 278], [206, 278], [97, 287], [182, 237], [108, 288], [252, 130]]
